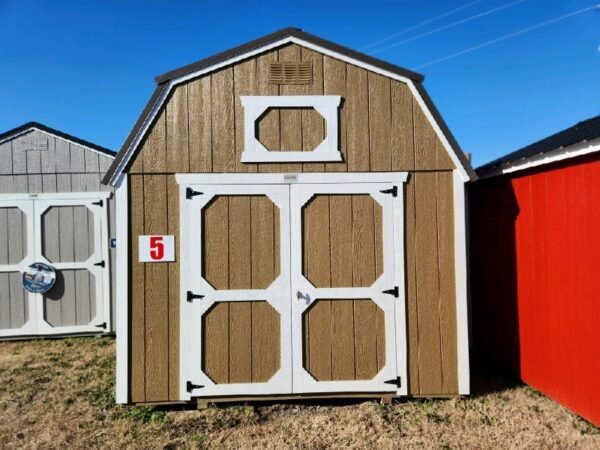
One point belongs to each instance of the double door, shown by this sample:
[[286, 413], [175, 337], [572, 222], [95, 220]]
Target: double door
[[69, 233], [292, 286]]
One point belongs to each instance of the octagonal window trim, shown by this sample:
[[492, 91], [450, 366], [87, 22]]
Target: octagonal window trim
[[256, 105]]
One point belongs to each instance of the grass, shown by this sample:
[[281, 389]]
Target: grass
[[60, 394]]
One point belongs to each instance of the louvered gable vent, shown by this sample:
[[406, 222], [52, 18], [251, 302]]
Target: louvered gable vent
[[291, 73]]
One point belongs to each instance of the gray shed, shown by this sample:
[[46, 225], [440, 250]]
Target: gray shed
[[54, 210]]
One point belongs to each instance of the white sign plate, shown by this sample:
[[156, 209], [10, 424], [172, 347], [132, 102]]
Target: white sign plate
[[157, 248]]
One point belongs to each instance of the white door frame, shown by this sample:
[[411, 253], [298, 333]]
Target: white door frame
[[34, 205], [189, 313], [192, 309], [391, 277]]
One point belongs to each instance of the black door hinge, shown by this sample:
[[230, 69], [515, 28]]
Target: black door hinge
[[395, 292], [397, 381], [191, 296], [190, 193], [101, 264], [191, 386], [393, 191], [101, 325], [99, 203]]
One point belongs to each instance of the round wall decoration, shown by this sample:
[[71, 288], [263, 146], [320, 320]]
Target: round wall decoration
[[38, 278]]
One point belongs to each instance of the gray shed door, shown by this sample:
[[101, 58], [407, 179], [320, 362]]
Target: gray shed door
[[69, 232]]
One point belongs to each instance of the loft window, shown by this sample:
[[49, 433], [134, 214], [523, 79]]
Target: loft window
[[255, 106]]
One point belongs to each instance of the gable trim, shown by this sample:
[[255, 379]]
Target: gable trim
[[163, 90], [30, 126]]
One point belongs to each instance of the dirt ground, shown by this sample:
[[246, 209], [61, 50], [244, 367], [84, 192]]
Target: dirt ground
[[60, 394]]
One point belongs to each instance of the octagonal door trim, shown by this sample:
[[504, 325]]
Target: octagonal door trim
[[305, 294], [97, 264], [198, 295], [26, 208]]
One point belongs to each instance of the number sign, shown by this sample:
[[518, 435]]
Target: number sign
[[157, 248]]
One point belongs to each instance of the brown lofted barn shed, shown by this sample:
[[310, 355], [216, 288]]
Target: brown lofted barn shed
[[295, 224]]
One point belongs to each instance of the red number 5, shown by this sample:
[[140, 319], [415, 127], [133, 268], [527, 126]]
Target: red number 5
[[157, 248]]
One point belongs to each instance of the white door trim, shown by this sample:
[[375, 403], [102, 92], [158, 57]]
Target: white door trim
[[191, 312]]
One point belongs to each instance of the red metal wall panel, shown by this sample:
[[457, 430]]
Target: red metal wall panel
[[535, 271]]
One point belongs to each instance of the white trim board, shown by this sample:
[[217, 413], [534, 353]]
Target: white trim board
[[290, 39], [122, 289], [30, 129], [560, 154]]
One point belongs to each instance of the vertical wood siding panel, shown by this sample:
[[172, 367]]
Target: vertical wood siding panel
[[155, 148], [174, 294], [178, 159], [82, 240], [77, 159], [403, 150], [19, 313], [313, 125], [5, 301], [240, 272], [92, 163], [318, 262], [200, 125], [137, 292], [445, 220], [63, 156], [429, 155], [334, 83], [380, 110], [157, 291], [105, 162], [363, 241], [290, 122], [265, 342], [428, 289], [357, 116], [49, 183], [411, 287], [216, 241], [215, 357], [49, 156], [245, 83], [6, 168], [19, 158], [365, 340], [271, 137], [223, 141]]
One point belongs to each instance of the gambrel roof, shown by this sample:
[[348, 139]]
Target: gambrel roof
[[165, 83]]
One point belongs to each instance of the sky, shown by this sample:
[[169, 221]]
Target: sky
[[87, 68]]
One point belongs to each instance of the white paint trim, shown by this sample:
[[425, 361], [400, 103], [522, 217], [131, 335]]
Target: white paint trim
[[291, 178], [169, 86], [30, 129], [326, 105], [100, 195], [122, 289], [560, 154], [460, 267]]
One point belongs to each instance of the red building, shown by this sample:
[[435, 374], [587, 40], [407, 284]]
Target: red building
[[535, 265]]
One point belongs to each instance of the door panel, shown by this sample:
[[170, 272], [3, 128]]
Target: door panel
[[72, 237], [17, 314], [343, 258], [236, 334]]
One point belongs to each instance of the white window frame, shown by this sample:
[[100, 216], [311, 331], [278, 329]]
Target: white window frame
[[190, 315], [256, 105], [34, 206]]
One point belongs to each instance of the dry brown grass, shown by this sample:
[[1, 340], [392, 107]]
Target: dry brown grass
[[59, 394]]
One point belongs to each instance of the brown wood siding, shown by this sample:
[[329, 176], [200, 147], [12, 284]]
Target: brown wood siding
[[382, 128]]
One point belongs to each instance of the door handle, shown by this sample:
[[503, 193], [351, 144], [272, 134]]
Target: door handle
[[303, 296]]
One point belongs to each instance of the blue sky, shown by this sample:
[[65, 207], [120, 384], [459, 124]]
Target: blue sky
[[87, 68]]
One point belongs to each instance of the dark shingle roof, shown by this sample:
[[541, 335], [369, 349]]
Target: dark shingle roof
[[47, 129], [585, 130]]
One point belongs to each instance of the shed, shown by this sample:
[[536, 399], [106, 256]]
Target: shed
[[296, 222], [535, 254], [55, 211]]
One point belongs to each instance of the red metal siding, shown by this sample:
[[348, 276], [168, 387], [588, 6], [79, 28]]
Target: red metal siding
[[535, 258]]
